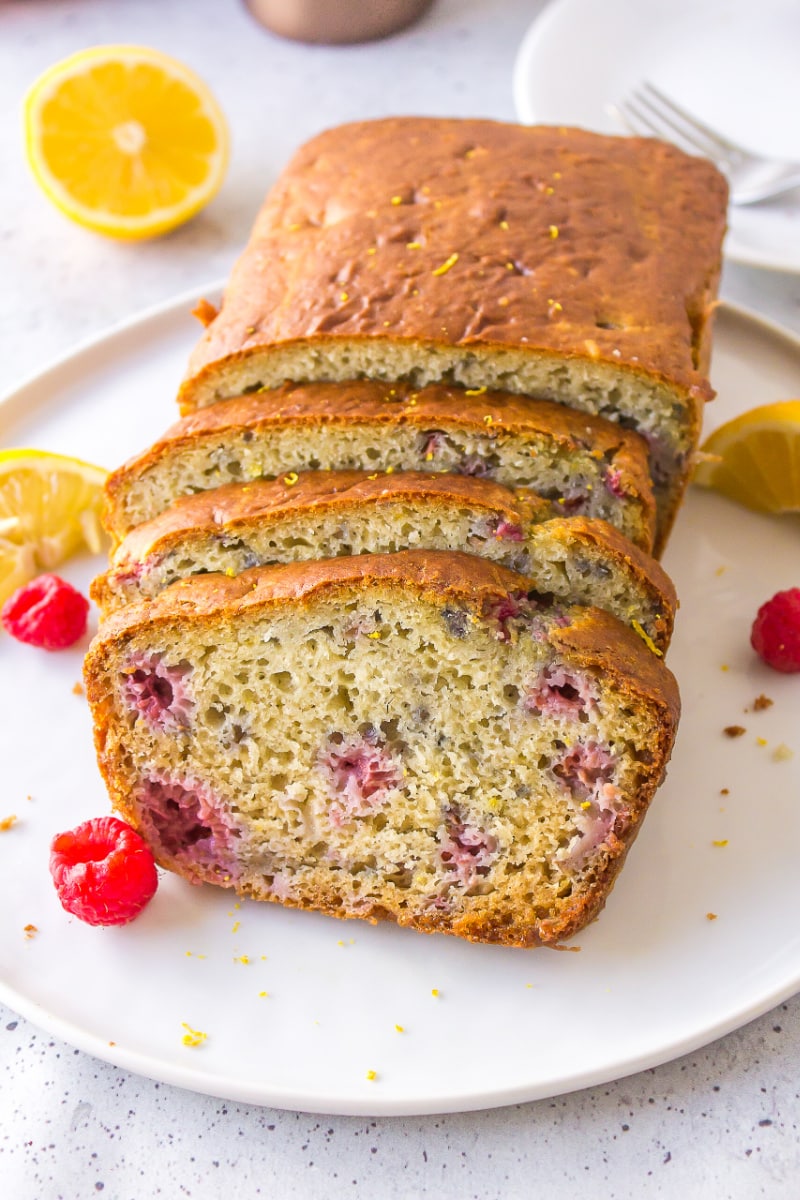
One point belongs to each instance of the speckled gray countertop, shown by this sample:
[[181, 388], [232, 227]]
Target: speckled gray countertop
[[721, 1122]]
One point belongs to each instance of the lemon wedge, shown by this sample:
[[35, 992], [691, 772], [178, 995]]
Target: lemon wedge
[[125, 140], [49, 507], [757, 458]]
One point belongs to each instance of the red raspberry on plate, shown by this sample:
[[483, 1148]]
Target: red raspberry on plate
[[775, 635], [47, 612], [103, 870]]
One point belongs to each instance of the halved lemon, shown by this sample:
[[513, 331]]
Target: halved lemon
[[758, 457], [49, 508], [125, 140]]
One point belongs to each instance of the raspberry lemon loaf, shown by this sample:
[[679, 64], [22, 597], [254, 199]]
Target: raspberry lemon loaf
[[587, 466], [550, 262], [324, 514], [414, 737]]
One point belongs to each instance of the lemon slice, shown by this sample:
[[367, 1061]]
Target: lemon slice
[[759, 458], [49, 508], [125, 140]]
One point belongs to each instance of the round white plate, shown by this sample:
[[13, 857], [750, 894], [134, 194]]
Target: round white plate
[[732, 62], [654, 976]]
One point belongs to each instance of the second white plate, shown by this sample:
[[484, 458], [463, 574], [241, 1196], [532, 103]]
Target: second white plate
[[732, 62], [299, 1008]]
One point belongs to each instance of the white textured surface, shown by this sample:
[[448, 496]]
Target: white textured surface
[[719, 1123]]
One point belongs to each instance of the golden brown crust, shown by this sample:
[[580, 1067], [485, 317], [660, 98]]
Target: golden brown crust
[[622, 233], [367, 402], [643, 566]]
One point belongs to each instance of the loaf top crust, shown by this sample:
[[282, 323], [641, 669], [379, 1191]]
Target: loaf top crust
[[439, 577], [557, 241]]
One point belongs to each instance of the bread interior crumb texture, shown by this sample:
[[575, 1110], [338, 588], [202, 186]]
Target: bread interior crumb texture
[[463, 805]]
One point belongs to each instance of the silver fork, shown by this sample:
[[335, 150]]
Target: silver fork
[[752, 177]]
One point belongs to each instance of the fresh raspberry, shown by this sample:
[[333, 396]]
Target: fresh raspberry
[[775, 635], [104, 871], [47, 612]]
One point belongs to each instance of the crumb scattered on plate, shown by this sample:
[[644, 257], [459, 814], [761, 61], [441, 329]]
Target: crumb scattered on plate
[[734, 731]]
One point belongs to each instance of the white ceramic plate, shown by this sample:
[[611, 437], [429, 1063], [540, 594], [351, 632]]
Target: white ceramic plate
[[654, 976], [732, 62]]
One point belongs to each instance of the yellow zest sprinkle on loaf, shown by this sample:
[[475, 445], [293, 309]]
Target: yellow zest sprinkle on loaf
[[291, 479], [374, 635], [344, 297], [229, 571], [390, 470], [397, 199], [488, 419], [553, 231], [413, 245], [586, 804], [648, 641], [475, 391], [193, 1037], [446, 265], [504, 224], [372, 250]]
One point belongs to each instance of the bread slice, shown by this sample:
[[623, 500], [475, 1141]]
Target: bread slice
[[550, 262], [588, 466], [324, 514], [410, 736]]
